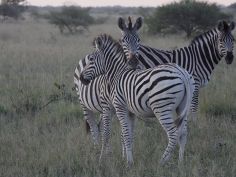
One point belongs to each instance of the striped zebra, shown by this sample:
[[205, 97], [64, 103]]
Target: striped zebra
[[89, 97], [199, 58], [159, 92]]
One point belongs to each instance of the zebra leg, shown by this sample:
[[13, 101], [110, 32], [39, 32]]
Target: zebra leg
[[182, 140], [132, 117], [125, 122], [195, 103], [182, 134], [106, 119], [168, 124], [181, 124], [90, 118], [123, 145]]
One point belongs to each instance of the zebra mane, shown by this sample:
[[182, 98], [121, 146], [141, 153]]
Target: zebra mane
[[106, 38], [200, 36]]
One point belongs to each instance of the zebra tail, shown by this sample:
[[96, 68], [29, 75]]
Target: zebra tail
[[189, 86]]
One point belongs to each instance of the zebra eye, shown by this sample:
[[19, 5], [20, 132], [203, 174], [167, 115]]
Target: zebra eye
[[91, 59]]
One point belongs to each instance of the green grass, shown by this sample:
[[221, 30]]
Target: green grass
[[52, 142]]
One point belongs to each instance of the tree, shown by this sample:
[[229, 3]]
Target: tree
[[70, 18], [232, 6], [12, 8], [190, 16]]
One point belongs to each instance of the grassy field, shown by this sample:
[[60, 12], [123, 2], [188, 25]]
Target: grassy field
[[38, 139]]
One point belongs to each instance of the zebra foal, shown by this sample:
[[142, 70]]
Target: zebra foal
[[158, 92]]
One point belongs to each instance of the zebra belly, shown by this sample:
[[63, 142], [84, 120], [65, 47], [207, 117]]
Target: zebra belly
[[140, 106]]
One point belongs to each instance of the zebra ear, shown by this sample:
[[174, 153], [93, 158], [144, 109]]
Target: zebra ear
[[138, 23], [222, 26], [121, 23], [232, 26], [98, 43]]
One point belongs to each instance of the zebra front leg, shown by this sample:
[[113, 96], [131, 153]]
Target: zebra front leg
[[125, 122], [106, 120], [132, 117], [90, 119], [123, 145], [195, 103]]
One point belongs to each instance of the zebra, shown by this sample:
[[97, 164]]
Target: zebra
[[159, 92], [89, 96], [199, 58]]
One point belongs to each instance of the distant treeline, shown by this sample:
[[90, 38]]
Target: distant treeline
[[188, 16]]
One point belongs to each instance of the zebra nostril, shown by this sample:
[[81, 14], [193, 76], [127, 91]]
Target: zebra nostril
[[130, 56]]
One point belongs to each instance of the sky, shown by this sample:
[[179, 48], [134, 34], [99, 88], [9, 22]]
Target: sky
[[86, 3]]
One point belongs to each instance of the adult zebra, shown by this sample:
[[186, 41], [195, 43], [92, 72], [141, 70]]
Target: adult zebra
[[89, 96], [199, 58], [159, 92]]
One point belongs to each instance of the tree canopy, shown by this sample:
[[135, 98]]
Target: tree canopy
[[189, 16], [12, 8], [70, 18]]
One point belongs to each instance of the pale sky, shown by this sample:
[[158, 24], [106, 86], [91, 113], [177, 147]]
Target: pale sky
[[86, 3]]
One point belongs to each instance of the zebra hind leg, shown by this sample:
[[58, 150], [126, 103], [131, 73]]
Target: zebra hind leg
[[91, 124], [181, 123], [182, 137], [168, 124]]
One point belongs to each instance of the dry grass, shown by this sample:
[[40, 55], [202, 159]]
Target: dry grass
[[52, 142]]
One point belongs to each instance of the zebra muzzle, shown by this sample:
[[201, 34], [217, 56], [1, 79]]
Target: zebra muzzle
[[133, 62], [229, 58]]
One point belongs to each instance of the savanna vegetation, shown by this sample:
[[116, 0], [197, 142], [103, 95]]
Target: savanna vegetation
[[71, 18], [189, 16], [42, 131], [12, 8]]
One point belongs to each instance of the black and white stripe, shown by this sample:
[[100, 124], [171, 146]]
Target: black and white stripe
[[158, 92], [89, 97], [199, 58]]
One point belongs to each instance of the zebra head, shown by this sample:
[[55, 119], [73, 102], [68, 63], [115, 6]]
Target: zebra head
[[94, 64], [226, 41], [130, 40]]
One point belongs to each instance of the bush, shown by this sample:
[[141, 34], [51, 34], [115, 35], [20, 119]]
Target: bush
[[187, 15], [12, 8], [71, 18], [233, 6]]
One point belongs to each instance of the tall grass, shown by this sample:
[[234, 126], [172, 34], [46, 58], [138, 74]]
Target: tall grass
[[52, 141]]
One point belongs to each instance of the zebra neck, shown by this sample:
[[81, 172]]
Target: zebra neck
[[115, 66], [206, 55]]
